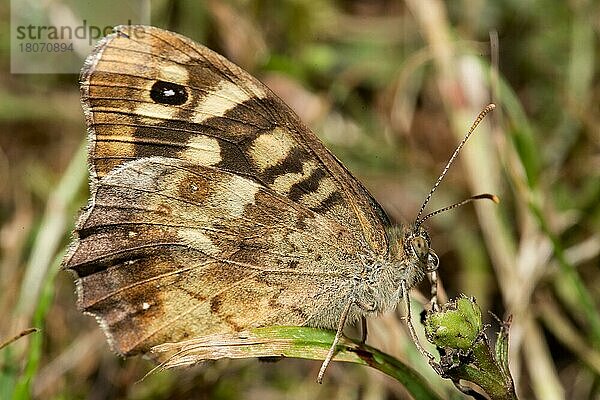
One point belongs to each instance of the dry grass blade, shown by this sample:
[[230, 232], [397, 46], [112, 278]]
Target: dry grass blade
[[18, 336]]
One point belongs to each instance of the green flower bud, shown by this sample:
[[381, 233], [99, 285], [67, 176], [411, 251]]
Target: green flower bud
[[456, 326]]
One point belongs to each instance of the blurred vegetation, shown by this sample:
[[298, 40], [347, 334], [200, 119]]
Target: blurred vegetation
[[390, 86]]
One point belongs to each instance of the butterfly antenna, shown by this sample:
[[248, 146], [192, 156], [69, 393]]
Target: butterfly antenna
[[487, 196], [419, 220]]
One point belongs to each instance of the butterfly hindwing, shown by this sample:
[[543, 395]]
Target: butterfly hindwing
[[170, 250]]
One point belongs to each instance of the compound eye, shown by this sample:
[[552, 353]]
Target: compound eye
[[420, 246]]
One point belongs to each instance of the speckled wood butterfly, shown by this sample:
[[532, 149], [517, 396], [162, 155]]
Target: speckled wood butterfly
[[214, 209]]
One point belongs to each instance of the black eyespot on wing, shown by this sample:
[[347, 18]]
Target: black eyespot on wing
[[168, 93]]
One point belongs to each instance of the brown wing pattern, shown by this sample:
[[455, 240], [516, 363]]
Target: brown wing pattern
[[170, 250], [213, 208], [227, 119]]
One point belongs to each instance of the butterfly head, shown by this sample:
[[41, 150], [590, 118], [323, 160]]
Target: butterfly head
[[417, 244], [411, 248]]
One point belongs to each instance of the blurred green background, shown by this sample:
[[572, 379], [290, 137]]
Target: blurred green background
[[390, 87]]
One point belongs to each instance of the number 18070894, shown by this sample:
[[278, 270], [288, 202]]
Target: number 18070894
[[45, 47]]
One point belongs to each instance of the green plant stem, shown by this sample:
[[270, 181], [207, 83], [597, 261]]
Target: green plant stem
[[294, 342]]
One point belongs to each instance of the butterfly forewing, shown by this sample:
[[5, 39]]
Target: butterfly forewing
[[213, 208], [226, 119]]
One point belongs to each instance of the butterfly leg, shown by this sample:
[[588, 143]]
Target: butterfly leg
[[338, 335], [411, 328], [433, 279], [363, 329]]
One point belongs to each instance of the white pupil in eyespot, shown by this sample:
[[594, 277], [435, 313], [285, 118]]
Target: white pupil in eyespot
[[169, 92]]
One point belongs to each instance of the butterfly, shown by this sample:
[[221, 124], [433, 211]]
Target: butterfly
[[214, 209]]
